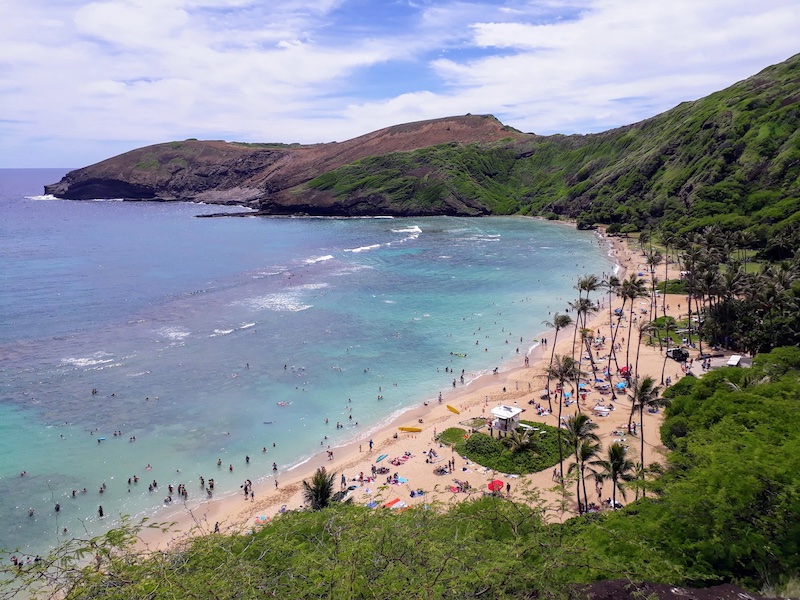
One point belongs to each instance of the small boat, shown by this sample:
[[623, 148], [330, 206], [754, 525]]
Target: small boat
[[283, 404], [461, 354], [381, 457], [453, 409], [411, 429], [268, 422]]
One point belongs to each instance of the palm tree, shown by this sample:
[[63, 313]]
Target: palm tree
[[644, 394], [519, 440], [617, 468], [559, 323], [643, 328], [669, 238], [691, 259], [654, 258], [583, 306], [632, 288], [587, 450], [563, 369], [319, 492], [579, 431]]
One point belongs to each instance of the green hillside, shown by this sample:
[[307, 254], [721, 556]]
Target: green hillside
[[732, 159]]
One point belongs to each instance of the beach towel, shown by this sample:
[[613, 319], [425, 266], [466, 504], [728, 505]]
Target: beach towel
[[391, 503]]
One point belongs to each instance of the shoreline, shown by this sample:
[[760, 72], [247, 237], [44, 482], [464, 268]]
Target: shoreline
[[519, 385]]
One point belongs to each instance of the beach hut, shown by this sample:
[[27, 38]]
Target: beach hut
[[506, 418]]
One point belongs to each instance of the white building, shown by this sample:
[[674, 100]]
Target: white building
[[506, 418]]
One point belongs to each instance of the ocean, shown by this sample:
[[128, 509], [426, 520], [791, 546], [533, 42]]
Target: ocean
[[138, 340]]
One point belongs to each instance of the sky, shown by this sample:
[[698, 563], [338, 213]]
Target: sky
[[82, 81]]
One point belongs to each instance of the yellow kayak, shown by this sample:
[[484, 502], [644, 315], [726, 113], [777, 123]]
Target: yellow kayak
[[411, 429], [453, 409]]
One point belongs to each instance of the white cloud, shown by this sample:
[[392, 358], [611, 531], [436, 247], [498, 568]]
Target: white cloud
[[83, 80]]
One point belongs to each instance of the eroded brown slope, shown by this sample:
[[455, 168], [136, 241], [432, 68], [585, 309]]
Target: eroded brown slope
[[231, 173]]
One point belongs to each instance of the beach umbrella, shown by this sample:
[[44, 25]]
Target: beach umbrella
[[621, 385], [495, 485], [567, 394]]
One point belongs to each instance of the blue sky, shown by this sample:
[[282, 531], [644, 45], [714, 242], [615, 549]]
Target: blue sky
[[81, 81]]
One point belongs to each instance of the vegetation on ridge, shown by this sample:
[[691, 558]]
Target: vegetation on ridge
[[730, 159]]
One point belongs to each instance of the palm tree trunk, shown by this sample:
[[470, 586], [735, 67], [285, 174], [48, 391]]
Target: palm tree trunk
[[583, 482], [699, 324], [630, 332], [641, 435], [552, 354], [614, 493], [666, 274], [614, 338], [560, 450]]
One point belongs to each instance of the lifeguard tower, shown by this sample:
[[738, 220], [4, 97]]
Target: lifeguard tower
[[506, 418]]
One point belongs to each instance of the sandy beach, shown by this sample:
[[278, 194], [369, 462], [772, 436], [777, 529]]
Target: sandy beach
[[515, 386]]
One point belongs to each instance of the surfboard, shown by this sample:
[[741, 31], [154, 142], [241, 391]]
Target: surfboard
[[381, 457], [411, 429], [453, 409]]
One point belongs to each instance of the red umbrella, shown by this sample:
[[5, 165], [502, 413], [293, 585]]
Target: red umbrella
[[496, 485]]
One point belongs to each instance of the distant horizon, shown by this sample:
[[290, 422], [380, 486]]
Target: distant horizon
[[86, 80]]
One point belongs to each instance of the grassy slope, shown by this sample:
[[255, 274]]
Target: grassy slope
[[731, 158]]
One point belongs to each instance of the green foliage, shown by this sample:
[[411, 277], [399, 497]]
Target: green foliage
[[540, 454], [452, 436], [673, 286], [318, 492], [151, 164]]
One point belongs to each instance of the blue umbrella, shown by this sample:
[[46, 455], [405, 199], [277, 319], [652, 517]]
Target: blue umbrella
[[567, 394], [621, 385]]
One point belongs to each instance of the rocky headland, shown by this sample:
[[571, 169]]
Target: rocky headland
[[270, 177]]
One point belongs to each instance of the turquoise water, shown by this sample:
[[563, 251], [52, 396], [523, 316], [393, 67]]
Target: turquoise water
[[209, 339]]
